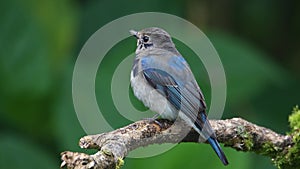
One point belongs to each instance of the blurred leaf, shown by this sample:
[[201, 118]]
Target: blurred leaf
[[98, 13], [265, 20], [257, 86], [66, 125], [35, 41], [248, 70], [17, 152]]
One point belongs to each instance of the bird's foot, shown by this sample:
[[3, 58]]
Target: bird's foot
[[154, 120]]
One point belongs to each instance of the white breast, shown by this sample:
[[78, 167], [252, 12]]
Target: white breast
[[152, 98]]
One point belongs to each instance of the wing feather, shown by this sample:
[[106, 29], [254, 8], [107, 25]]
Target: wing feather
[[180, 88]]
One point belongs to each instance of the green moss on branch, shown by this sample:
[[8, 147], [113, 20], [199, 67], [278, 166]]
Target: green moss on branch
[[290, 157], [284, 150]]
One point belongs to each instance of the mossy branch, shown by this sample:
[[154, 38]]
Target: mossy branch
[[284, 150]]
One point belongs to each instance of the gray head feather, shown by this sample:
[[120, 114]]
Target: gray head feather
[[153, 38]]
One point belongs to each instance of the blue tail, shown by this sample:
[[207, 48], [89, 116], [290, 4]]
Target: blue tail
[[216, 146]]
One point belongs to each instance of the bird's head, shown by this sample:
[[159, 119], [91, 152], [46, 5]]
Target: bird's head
[[152, 37]]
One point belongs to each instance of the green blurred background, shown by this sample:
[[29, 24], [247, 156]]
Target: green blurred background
[[258, 42]]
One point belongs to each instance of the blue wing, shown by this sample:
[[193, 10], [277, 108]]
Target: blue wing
[[172, 82], [183, 93]]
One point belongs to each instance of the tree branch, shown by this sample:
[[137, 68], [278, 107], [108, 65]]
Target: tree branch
[[115, 145]]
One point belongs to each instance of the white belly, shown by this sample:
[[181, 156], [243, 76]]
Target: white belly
[[152, 98]]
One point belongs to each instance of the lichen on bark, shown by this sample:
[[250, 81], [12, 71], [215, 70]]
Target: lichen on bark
[[237, 133], [290, 158]]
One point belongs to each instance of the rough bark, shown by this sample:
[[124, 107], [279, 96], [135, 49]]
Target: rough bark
[[115, 145]]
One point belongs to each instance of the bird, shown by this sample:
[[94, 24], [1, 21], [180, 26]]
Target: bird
[[162, 79]]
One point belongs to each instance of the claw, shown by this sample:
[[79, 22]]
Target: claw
[[154, 120]]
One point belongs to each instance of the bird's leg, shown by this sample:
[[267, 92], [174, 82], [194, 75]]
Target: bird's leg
[[154, 120], [156, 116]]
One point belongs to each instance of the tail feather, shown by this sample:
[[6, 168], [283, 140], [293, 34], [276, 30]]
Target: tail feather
[[216, 146]]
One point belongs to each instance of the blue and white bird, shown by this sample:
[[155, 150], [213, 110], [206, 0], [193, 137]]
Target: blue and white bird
[[164, 82]]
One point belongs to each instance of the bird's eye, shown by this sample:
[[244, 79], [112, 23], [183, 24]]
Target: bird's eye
[[146, 38]]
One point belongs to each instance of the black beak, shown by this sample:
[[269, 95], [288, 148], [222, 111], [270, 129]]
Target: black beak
[[134, 33]]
